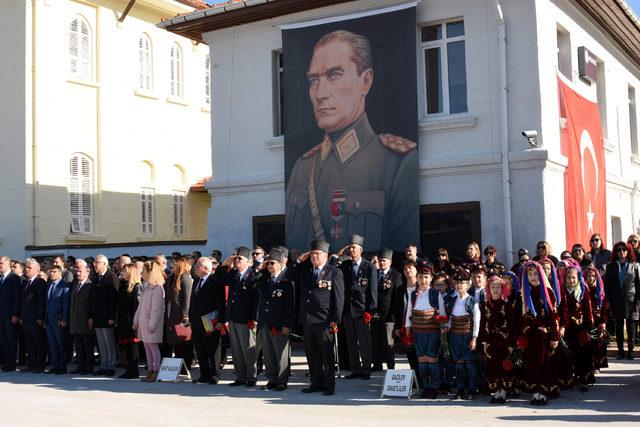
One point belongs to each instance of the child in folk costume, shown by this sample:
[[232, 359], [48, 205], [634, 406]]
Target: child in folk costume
[[594, 282], [465, 326], [498, 337], [575, 325], [442, 283], [539, 333], [424, 306]]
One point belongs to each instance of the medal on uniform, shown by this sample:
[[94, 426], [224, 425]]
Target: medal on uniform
[[337, 213]]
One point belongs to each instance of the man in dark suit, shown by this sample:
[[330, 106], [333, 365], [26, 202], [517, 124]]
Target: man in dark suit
[[57, 320], [67, 275], [321, 305], [79, 319], [207, 296], [32, 316], [10, 302], [361, 300], [382, 341]]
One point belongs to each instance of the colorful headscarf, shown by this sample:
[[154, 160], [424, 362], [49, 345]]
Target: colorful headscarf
[[579, 291], [514, 280], [553, 280], [503, 284], [599, 284], [545, 287]]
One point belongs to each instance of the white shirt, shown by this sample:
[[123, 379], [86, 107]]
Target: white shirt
[[422, 303], [356, 265], [460, 310]]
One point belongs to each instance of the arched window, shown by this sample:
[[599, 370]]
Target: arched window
[[207, 81], [81, 194], [175, 76], [179, 196], [145, 67], [80, 44], [147, 214]]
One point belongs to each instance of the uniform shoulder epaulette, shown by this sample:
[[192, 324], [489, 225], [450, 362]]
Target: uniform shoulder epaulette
[[397, 143], [313, 151]]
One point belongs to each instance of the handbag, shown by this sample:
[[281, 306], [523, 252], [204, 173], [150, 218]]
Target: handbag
[[183, 333]]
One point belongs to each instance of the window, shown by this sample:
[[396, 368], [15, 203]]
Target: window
[[207, 81], [80, 49], [81, 194], [601, 94], [564, 52], [278, 99], [145, 67], [633, 119], [449, 225], [268, 231], [616, 229], [178, 213], [175, 76], [445, 72], [147, 214]]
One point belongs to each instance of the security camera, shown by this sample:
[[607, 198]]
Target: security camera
[[532, 136]]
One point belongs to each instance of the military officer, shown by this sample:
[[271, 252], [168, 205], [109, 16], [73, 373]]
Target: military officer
[[361, 300], [354, 181], [321, 304], [389, 281], [275, 317]]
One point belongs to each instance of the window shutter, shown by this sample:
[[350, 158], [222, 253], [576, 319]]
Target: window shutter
[[150, 211], [79, 48], [74, 196], [85, 50], [73, 46], [178, 213], [172, 74], [207, 81], [141, 63], [80, 194], [87, 196], [146, 211]]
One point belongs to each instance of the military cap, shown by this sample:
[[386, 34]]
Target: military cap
[[479, 268], [424, 267], [461, 274], [319, 245], [243, 251], [522, 251], [356, 239], [385, 254], [278, 253]]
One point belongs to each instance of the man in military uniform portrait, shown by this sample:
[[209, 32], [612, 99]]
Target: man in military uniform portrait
[[354, 181]]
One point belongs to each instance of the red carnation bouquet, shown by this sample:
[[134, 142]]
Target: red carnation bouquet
[[583, 337], [507, 365], [523, 342], [275, 331]]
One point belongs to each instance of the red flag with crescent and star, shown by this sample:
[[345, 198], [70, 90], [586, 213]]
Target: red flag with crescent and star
[[585, 183]]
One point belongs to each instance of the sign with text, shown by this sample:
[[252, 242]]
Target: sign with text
[[170, 368], [399, 383]]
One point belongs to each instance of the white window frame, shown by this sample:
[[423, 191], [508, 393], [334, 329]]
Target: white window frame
[[81, 56], [632, 100], [81, 203], [145, 63], [147, 211], [277, 71], [444, 65], [564, 52], [179, 214], [176, 76]]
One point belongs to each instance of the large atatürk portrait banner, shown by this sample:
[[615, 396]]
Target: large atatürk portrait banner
[[351, 161]]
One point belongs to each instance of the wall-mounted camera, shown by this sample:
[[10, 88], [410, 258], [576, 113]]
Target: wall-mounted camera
[[531, 136]]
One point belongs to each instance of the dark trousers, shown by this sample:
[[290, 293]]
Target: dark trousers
[[412, 358], [8, 343], [57, 339], [206, 349], [620, 333], [131, 356], [359, 342], [84, 351], [321, 358], [382, 343], [181, 351], [36, 338]]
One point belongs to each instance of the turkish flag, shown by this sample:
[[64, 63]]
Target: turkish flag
[[585, 185]]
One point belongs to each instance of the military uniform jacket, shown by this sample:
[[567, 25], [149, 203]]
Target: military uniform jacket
[[243, 295], [34, 300], [357, 182], [387, 289], [321, 300], [361, 290], [277, 302]]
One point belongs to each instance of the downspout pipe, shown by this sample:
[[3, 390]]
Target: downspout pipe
[[504, 135], [634, 218]]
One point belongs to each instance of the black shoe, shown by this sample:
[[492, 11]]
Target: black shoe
[[444, 389], [312, 389], [27, 369], [424, 393], [87, 372], [110, 373], [376, 368], [620, 355], [543, 401], [584, 388], [77, 371], [38, 371], [130, 375], [99, 372], [366, 376], [251, 383], [269, 386], [200, 380], [328, 392], [280, 387], [535, 402], [51, 371], [353, 375], [61, 371], [494, 400], [236, 383], [214, 380], [432, 394], [460, 395], [471, 395], [630, 355], [8, 369], [501, 400]]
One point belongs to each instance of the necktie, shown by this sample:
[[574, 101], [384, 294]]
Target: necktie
[[355, 271], [381, 276], [199, 285], [1, 279], [316, 273], [53, 285]]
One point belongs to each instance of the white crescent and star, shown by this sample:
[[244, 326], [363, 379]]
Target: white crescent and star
[[587, 144]]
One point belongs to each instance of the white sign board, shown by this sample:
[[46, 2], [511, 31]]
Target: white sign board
[[399, 383], [170, 368]]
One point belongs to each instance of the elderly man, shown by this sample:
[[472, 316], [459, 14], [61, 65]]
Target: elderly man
[[361, 300], [161, 260], [103, 310], [79, 319], [207, 296], [57, 320], [389, 281], [32, 316], [122, 261], [10, 302], [354, 181], [321, 303]]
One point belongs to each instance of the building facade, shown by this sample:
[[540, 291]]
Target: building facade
[[106, 126], [480, 178]]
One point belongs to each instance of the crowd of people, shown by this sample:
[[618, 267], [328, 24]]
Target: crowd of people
[[467, 326]]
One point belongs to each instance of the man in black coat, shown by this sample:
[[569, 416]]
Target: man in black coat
[[382, 326], [361, 300], [10, 302], [321, 303], [103, 311], [207, 296], [32, 316]]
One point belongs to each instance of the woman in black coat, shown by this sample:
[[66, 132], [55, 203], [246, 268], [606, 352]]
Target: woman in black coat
[[177, 301], [129, 295], [622, 288]]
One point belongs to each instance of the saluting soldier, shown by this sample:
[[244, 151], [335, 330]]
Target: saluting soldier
[[382, 341], [354, 181], [321, 304], [275, 317]]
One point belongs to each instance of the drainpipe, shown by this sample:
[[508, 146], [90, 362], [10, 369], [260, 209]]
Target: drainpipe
[[635, 226], [504, 136], [34, 139]]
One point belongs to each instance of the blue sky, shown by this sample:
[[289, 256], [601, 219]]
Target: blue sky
[[635, 5]]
